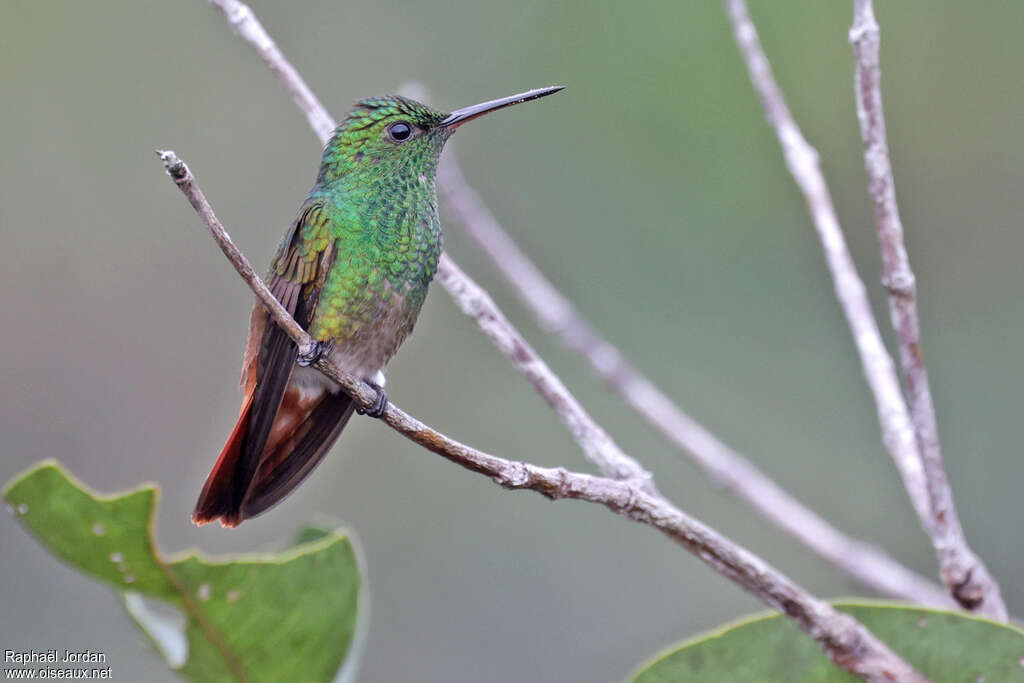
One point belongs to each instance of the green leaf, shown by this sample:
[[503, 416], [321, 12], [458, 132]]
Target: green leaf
[[309, 533], [944, 646], [286, 616], [107, 538]]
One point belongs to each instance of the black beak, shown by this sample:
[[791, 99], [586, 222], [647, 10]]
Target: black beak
[[460, 116]]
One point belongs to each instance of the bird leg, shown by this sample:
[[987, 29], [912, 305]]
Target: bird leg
[[320, 350], [380, 404]]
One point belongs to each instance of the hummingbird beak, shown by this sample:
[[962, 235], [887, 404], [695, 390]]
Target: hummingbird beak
[[460, 116]]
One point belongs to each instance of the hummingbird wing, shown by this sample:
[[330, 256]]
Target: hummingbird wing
[[285, 427]]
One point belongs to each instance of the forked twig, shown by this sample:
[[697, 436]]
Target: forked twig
[[801, 159]]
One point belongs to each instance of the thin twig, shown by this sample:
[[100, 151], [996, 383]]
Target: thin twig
[[850, 645], [726, 467], [962, 571], [862, 561], [597, 446], [802, 160]]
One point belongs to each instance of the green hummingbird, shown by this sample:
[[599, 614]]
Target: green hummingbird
[[353, 270]]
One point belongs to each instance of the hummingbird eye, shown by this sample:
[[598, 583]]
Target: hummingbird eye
[[400, 131]]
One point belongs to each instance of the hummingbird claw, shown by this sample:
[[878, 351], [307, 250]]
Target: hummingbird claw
[[380, 404], [313, 355]]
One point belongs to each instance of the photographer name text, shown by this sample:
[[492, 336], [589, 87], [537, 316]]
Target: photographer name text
[[52, 656]]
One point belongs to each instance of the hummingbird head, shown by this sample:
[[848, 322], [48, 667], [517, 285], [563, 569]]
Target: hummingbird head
[[388, 136]]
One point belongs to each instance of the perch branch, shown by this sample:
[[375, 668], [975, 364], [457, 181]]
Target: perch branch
[[850, 645], [962, 571], [860, 560]]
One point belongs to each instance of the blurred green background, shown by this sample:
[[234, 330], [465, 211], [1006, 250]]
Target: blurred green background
[[651, 191]]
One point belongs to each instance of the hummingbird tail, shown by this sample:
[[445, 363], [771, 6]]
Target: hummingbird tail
[[288, 464], [305, 427], [216, 500]]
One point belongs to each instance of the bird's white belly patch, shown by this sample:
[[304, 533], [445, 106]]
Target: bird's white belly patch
[[310, 381]]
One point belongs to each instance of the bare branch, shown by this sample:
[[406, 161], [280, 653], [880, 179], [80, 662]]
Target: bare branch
[[802, 160], [962, 571], [723, 465], [850, 645]]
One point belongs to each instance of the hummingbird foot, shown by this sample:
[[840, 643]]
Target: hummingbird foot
[[380, 404], [319, 350]]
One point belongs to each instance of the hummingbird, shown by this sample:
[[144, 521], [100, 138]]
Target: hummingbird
[[353, 270]]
